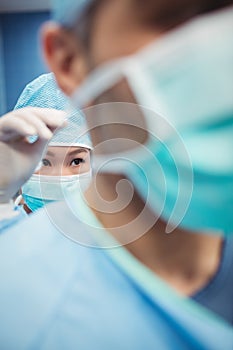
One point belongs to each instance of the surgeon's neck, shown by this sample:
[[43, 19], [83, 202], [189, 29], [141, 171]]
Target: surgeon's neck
[[185, 260]]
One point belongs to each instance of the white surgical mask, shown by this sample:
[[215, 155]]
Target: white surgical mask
[[185, 76], [40, 189]]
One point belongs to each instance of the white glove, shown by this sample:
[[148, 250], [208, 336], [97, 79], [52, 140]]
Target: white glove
[[18, 157]]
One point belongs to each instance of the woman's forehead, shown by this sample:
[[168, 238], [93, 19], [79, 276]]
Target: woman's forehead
[[65, 150]]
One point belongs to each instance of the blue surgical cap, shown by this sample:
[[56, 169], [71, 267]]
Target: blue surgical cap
[[43, 92], [68, 11]]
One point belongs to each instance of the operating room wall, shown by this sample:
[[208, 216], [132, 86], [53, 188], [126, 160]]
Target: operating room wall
[[2, 77], [21, 60]]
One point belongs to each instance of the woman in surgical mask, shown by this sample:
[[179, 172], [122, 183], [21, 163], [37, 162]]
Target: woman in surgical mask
[[60, 169], [65, 165]]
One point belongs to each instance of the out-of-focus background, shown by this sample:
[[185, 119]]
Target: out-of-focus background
[[20, 55]]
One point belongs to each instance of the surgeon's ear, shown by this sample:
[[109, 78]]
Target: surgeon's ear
[[64, 56]]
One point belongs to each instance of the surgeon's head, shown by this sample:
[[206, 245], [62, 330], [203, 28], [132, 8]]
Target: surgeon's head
[[171, 57], [87, 33], [66, 160]]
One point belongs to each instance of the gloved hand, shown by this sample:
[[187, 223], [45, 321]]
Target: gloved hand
[[19, 157]]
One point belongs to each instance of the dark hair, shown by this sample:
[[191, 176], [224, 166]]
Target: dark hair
[[83, 26], [160, 14], [166, 14]]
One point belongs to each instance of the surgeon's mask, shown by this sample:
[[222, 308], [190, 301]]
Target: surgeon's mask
[[40, 190], [186, 78]]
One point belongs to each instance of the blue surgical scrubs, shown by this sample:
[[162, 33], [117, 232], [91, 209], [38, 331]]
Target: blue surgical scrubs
[[7, 223], [217, 295], [58, 294]]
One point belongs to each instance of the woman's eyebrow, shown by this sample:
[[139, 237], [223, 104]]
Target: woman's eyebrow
[[49, 153], [81, 150]]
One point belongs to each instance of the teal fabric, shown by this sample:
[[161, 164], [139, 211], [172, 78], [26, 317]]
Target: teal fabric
[[34, 203]]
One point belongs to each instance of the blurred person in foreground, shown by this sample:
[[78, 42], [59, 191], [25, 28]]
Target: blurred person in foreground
[[175, 60]]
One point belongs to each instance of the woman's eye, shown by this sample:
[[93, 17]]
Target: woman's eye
[[46, 162], [76, 161]]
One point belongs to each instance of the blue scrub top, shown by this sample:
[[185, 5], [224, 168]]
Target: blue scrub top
[[218, 294], [7, 223], [58, 294]]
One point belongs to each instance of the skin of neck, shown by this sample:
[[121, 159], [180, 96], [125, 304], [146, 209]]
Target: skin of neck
[[187, 261]]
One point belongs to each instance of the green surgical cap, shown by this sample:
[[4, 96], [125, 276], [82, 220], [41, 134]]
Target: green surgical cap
[[68, 11], [43, 92]]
